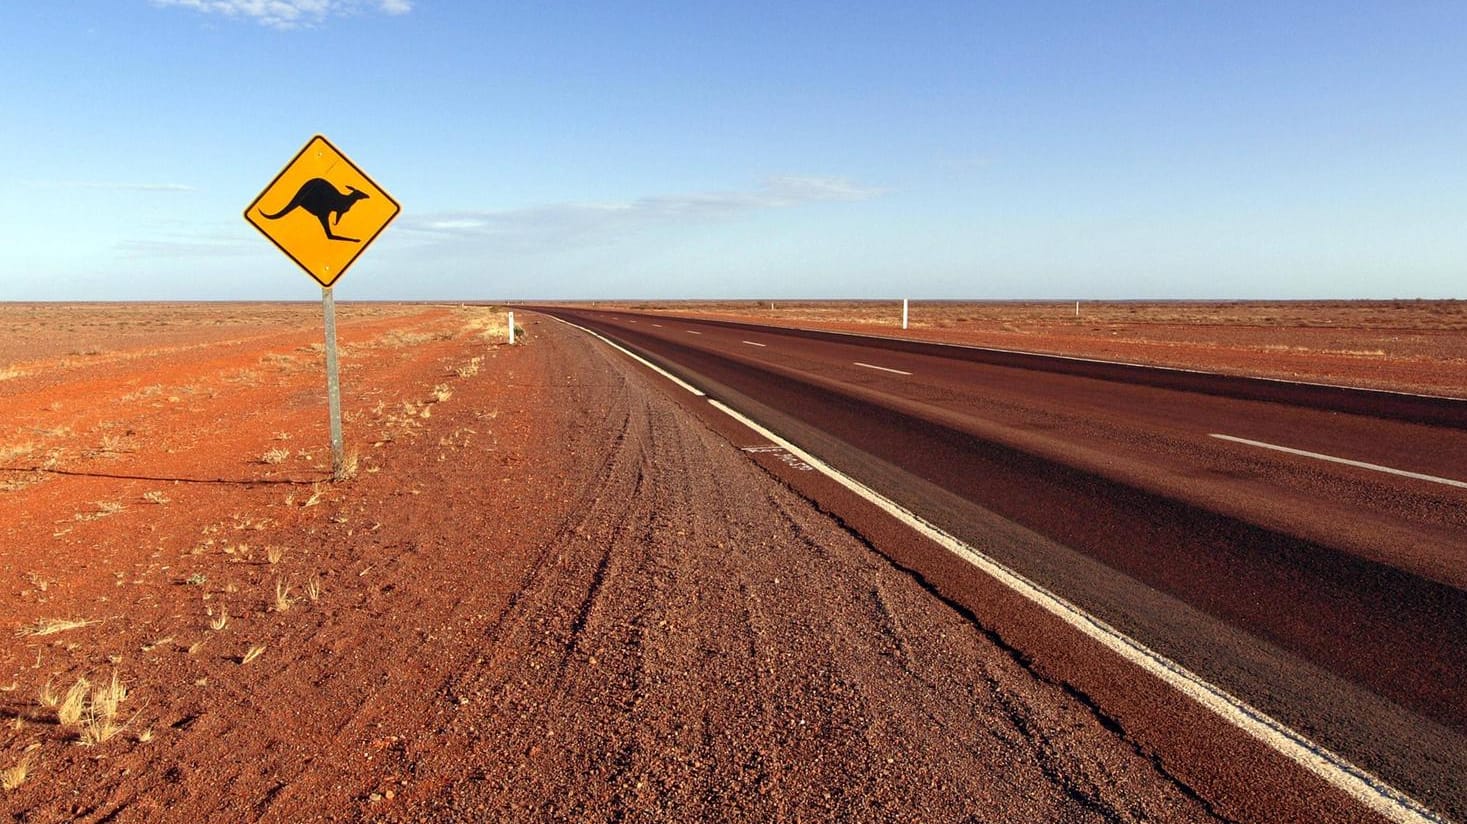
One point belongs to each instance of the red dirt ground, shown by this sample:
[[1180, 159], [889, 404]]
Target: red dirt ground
[[1406, 345], [548, 593]]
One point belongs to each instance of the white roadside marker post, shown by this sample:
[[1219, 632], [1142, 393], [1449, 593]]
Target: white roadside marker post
[[333, 384], [904, 313], [1077, 308], [511, 329]]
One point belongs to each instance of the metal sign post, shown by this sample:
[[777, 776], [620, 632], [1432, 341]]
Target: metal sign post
[[333, 384]]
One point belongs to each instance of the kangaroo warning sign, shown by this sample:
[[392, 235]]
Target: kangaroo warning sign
[[322, 211]]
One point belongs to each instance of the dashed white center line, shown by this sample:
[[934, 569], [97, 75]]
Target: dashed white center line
[[658, 325], [1346, 461], [751, 343], [882, 368], [691, 332]]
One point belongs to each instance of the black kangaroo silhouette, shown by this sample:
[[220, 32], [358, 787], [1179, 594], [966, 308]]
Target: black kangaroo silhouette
[[320, 197]]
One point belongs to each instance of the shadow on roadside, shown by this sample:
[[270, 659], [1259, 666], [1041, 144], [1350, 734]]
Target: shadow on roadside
[[236, 481]]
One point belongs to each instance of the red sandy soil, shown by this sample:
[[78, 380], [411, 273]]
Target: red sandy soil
[[1406, 345], [548, 593]]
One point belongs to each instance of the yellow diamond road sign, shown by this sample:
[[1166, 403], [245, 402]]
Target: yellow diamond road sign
[[322, 211]]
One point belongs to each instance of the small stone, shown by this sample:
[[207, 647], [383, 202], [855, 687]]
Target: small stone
[[374, 797], [390, 795]]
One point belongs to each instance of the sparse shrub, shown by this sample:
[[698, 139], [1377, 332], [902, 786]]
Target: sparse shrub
[[275, 456]]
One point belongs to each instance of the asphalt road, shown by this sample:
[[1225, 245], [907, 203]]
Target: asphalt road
[[1301, 547]]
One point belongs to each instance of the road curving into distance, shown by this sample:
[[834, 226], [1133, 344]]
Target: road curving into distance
[[1299, 546]]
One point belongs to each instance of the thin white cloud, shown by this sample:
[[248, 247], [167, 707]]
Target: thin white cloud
[[533, 229], [116, 186], [288, 14], [182, 239], [568, 222]]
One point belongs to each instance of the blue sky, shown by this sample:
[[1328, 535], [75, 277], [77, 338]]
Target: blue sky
[[751, 149]]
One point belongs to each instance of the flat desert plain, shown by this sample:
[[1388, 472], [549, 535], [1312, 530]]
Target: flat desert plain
[[1404, 345], [545, 592]]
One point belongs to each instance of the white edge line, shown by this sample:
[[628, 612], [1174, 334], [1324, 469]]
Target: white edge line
[[1335, 770], [1371, 791], [752, 343], [691, 332], [1346, 461], [882, 368], [638, 358]]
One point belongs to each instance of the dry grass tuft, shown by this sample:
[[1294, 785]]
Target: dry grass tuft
[[106, 697], [252, 653], [313, 588], [100, 726], [275, 456], [318, 492], [13, 777], [350, 465], [469, 369], [155, 497], [6, 374], [51, 626], [273, 554], [48, 697], [221, 620], [114, 445], [70, 710], [104, 508], [282, 595], [441, 393]]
